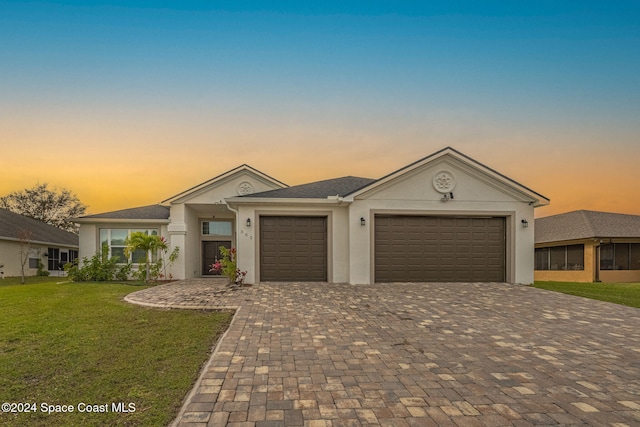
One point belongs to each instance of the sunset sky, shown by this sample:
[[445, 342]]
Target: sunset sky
[[126, 103]]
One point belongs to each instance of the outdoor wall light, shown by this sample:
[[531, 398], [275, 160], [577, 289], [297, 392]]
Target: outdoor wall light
[[248, 222], [446, 197], [363, 222], [525, 223]]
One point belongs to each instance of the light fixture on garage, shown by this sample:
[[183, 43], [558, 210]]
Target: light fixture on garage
[[363, 222], [525, 223], [248, 222], [446, 197]]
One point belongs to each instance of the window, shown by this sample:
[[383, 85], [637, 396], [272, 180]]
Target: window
[[542, 259], [53, 255], [113, 241], [620, 256], [216, 228], [575, 257], [569, 257], [634, 256], [33, 262], [558, 258], [606, 257]]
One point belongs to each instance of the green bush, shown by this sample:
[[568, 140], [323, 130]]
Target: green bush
[[41, 271], [98, 268], [228, 266]]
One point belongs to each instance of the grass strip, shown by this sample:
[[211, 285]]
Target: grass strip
[[80, 343], [618, 293]]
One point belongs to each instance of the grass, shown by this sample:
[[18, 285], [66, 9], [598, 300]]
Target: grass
[[619, 293], [72, 343]]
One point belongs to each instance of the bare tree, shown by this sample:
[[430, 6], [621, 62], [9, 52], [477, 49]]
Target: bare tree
[[54, 207], [24, 239]]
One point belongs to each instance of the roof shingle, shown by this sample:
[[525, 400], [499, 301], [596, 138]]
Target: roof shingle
[[143, 212], [317, 190], [584, 224], [13, 224]]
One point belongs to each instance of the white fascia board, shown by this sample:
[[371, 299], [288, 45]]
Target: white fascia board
[[38, 242], [119, 221], [284, 201], [220, 179], [473, 166]]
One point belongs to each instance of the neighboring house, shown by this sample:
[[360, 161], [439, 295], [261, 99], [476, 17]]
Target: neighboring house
[[445, 217], [45, 244], [588, 246]]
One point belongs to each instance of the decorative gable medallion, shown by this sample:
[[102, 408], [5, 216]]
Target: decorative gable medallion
[[245, 188], [444, 182]]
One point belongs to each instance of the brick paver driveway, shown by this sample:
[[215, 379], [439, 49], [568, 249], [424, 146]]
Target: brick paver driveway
[[412, 355]]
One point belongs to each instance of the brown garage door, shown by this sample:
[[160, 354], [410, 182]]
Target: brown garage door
[[439, 249], [293, 248]]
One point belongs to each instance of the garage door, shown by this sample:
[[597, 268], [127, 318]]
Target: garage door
[[293, 248], [439, 249]]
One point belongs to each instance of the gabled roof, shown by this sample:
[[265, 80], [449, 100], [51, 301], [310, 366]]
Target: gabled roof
[[537, 199], [221, 177], [13, 224], [584, 224], [151, 212], [317, 190]]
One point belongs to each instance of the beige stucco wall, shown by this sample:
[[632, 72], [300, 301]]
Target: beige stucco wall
[[88, 244], [474, 195], [589, 272], [89, 234], [228, 187], [350, 245], [10, 257], [586, 275], [563, 276], [351, 257], [205, 203], [620, 276], [248, 237]]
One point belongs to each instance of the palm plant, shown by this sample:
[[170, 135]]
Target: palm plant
[[140, 240]]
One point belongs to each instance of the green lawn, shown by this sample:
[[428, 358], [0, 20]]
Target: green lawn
[[80, 344], [619, 293]]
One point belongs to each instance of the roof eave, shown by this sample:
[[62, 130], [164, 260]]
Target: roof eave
[[329, 201], [534, 198], [537, 203], [41, 242], [178, 198], [119, 220]]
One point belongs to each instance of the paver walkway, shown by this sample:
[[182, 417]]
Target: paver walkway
[[411, 355]]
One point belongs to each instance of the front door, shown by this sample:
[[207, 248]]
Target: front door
[[211, 254]]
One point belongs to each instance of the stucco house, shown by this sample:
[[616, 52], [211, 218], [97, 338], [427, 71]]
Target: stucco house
[[445, 217], [45, 244], [588, 246]]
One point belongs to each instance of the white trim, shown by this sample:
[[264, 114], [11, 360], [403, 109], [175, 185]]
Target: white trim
[[121, 220], [294, 213], [509, 243], [39, 242], [477, 169], [285, 201], [184, 196]]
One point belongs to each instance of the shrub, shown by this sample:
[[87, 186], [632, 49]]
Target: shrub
[[98, 268], [41, 270], [228, 266]]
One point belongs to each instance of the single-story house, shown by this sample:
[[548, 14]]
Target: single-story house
[[445, 217], [41, 242], [588, 246]]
